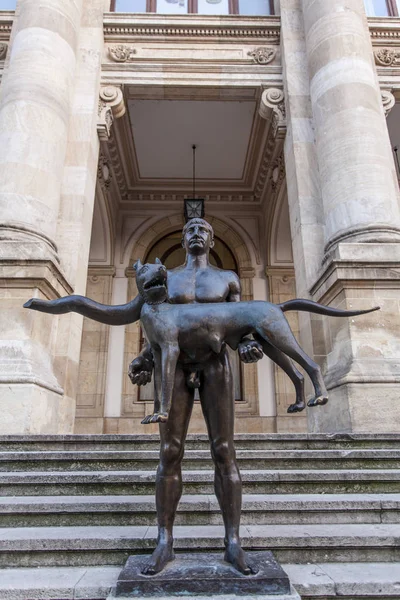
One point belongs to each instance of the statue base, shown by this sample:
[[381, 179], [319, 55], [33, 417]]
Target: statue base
[[203, 575]]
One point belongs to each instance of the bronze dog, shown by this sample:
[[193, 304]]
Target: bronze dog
[[192, 332]]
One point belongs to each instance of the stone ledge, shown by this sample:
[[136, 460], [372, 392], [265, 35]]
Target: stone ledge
[[347, 581]]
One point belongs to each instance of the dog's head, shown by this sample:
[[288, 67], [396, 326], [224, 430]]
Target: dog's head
[[151, 280]]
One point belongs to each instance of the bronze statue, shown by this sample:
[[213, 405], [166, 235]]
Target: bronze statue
[[206, 366]]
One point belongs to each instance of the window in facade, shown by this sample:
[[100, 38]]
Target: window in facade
[[382, 8], [8, 4], [201, 7]]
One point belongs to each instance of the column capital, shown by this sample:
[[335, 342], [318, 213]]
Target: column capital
[[111, 106]]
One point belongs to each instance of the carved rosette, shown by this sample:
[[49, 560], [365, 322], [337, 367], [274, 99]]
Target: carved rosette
[[104, 172], [3, 50], [111, 106], [388, 101], [272, 107], [277, 173], [387, 57], [121, 53], [263, 54]]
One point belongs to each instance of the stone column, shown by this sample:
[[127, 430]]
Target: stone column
[[35, 105], [360, 201]]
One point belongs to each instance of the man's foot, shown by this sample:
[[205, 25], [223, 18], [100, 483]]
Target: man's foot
[[235, 555], [162, 555]]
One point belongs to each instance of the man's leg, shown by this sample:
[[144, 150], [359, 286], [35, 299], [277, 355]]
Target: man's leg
[[217, 400], [169, 476]]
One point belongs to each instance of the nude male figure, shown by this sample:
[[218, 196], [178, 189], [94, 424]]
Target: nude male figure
[[198, 281]]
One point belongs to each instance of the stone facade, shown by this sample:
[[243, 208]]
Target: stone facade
[[312, 209]]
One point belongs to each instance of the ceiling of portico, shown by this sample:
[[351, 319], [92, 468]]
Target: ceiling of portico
[[151, 146]]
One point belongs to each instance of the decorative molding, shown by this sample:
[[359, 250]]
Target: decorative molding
[[121, 53], [388, 101], [104, 172], [273, 98], [100, 271], [263, 54], [117, 27], [179, 197], [117, 167], [6, 22], [3, 50], [111, 106], [264, 167], [387, 57], [191, 32], [278, 173]]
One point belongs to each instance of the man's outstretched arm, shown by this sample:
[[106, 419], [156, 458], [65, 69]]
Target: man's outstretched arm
[[121, 314]]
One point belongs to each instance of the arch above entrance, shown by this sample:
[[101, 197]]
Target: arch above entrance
[[169, 224], [249, 406]]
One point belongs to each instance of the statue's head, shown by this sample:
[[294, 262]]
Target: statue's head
[[197, 236], [151, 280]]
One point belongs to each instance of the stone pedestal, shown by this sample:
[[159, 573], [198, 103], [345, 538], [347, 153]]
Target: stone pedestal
[[203, 575], [361, 354]]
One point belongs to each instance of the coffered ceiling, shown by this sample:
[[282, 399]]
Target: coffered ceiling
[[151, 146]]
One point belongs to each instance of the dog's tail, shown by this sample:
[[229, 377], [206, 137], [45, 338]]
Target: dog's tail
[[319, 309]]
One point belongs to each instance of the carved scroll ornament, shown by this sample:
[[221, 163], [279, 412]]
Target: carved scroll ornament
[[121, 53], [263, 55], [111, 106], [387, 57], [273, 98]]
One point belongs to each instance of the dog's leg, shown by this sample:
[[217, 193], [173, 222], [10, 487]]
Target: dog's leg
[[286, 365], [169, 358], [278, 332], [157, 388]]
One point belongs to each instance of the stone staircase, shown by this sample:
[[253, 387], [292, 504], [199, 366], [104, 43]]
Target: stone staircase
[[327, 505]]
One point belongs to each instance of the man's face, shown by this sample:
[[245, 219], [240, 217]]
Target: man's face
[[197, 239]]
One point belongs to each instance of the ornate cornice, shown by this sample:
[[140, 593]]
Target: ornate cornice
[[6, 21], [178, 197], [117, 26]]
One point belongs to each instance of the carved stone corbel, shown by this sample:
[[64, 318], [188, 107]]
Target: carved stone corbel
[[272, 107], [111, 106], [388, 101]]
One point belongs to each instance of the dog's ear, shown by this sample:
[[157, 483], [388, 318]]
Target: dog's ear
[[137, 265], [158, 261]]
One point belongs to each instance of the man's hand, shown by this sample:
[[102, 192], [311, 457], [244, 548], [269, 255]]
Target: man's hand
[[140, 370], [250, 351]]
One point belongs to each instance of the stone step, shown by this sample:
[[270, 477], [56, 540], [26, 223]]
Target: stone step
[[262, 509], [79, 460], [286, 481], [145, 441], [298, 544], [347, 581]]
